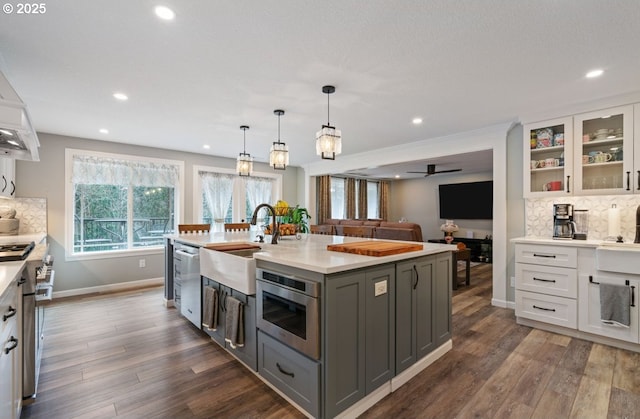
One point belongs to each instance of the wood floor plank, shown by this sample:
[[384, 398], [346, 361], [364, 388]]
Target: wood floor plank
[[131, 357]]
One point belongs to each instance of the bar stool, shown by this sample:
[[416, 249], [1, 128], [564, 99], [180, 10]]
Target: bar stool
[[194, 228]]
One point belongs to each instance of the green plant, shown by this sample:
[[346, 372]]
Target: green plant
[[300, 217]]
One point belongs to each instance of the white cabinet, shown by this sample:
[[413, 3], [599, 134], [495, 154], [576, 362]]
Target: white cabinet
[[548, 158], [546, 284], [603, 152], [589, 319], [10, 368], [7, 178], [591, 153]]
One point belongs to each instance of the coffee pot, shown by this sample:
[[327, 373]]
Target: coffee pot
[[564, 226]]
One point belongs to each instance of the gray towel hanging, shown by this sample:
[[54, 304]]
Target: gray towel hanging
[[615, 301]]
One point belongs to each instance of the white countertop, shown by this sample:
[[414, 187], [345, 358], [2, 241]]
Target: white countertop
[[309, 253], [576, 243], [9, 270]]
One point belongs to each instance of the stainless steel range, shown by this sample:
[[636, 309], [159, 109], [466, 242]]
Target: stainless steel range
[[36, 290], [15, 251]]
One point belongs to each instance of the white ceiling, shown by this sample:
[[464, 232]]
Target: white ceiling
[[459, 65]]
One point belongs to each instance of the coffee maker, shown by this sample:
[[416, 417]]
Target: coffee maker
[[564, 226]]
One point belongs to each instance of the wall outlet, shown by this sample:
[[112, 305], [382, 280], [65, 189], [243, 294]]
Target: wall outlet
[[513, 281], [142, 263], [380, 288]]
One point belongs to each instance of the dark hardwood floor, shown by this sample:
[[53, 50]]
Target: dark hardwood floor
[[126, 355]]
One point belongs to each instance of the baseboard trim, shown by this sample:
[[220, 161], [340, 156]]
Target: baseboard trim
[[122, 286]]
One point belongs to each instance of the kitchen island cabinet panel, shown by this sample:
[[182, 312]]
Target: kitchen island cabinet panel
[[248, 352], [442, 324], [344, 341], [292, 373], [380, 327], [423, 308]]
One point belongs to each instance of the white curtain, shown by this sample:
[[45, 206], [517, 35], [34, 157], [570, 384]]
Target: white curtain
[[94, 170], [258, 191], [218, 189]]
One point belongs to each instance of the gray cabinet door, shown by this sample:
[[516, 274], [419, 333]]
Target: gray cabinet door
[[442, 299], [218, 334], [248, 352], [379, 319], [424, 277], [405, 316], [344, 341]]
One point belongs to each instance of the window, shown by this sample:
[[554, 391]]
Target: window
[[372, 200], [119, 203], [226, 197], [338, 198], [338, 201]]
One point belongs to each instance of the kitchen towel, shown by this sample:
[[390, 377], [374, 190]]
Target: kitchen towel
[[210, 310], [614, 304], [234, 322]]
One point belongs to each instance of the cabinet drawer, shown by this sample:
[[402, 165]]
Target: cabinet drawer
[[547, 308], [562, 256], [292, 373], [561, 282]]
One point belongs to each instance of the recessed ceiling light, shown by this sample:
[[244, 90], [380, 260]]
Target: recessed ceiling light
[[397, 176], [417, 121], [594, 73], [120, 96], [164, 13], [104, 131], [206, 146]]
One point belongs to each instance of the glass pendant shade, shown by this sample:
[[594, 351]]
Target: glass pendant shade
[[279, 152], [279, 156], [328, 139], [244, 165], [328, 142]]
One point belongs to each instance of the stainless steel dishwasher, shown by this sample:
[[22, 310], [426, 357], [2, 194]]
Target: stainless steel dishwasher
[[187, 280]]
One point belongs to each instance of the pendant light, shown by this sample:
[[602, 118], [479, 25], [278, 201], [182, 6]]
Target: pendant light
[[279, 153], [244, 165], [328, 139]]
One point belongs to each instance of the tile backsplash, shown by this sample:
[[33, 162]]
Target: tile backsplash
[[539, 214], [32, 213]]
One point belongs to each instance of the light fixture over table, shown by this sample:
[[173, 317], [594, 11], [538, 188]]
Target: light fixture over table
[[279, 153], [244, 165], [328, 139]]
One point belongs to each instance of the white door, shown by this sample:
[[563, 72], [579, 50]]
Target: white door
[[589, 311]]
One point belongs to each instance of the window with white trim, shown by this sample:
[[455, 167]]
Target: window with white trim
[[225, 197], [118, 202]]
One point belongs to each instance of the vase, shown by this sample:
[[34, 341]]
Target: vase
[[448, 239]]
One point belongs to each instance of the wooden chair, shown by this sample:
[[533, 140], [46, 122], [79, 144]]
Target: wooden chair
[[194, 228], [325, 229], [357, 231], [237, 226]]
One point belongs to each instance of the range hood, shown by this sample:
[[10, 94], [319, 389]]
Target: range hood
[[18, 139]]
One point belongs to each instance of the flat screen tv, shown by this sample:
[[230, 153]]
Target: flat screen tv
[[467, 201]]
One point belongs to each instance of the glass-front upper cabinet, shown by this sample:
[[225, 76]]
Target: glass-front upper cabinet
[[547, 162], [603, 151]]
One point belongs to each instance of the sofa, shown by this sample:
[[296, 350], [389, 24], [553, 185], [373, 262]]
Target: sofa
[[379, 229]]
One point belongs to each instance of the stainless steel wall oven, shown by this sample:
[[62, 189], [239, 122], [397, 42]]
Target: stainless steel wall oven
[[288, 309]]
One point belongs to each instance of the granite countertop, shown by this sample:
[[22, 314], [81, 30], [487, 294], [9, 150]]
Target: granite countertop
[[310, 253]]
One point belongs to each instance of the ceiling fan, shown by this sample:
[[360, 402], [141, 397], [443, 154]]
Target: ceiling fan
[[431, 170]]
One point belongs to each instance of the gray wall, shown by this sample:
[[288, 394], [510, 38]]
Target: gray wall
[[45, 179], [417, 200], [516, 223]]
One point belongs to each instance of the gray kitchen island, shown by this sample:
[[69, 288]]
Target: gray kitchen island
[[332, 332]]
